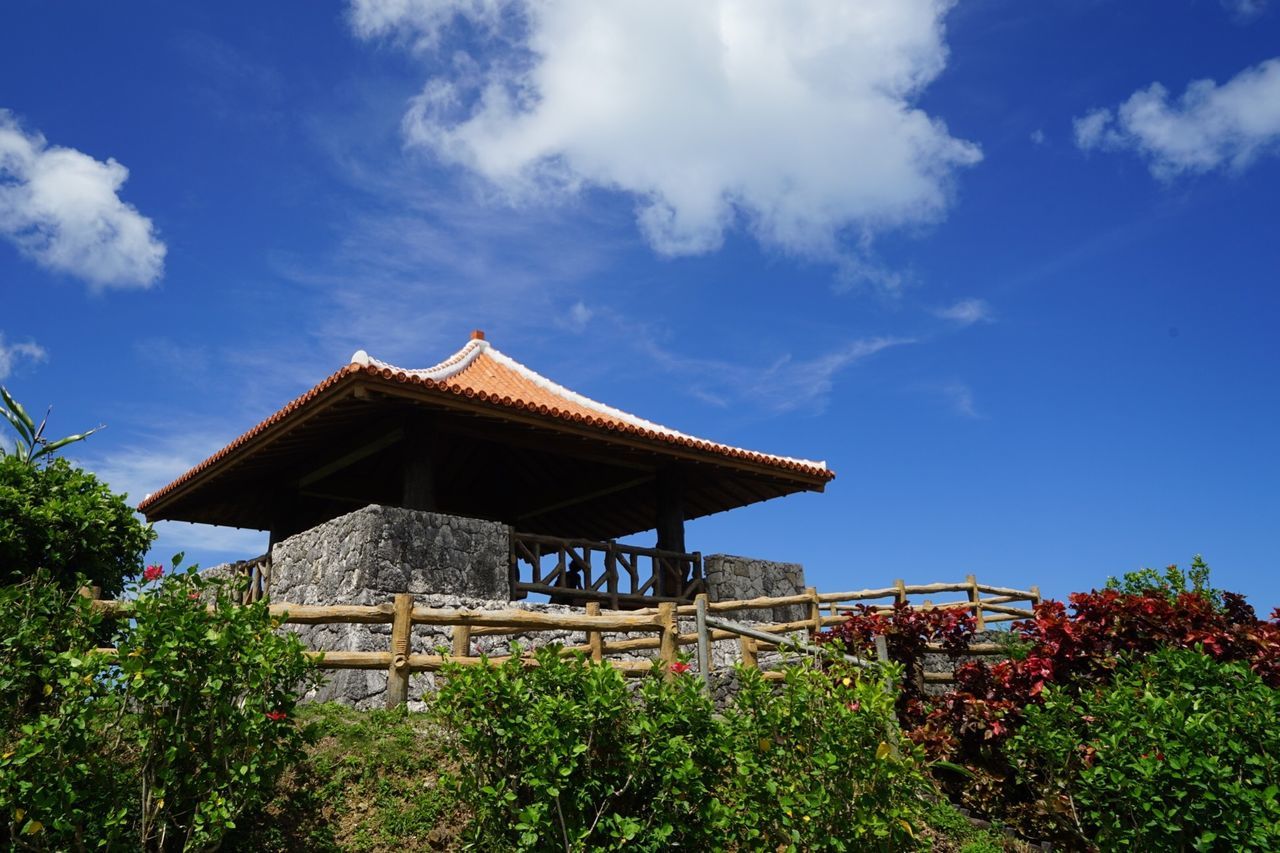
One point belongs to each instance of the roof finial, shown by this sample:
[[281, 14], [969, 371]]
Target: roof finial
[[477, 335]]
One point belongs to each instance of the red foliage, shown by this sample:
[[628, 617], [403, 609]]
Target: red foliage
[[1077, 650], [907, 633]]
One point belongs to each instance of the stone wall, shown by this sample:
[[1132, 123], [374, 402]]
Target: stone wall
[[366, 557], [732, 578], [444, 561]]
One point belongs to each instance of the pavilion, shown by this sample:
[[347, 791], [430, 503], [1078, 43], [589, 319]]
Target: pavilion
[[478, 435]]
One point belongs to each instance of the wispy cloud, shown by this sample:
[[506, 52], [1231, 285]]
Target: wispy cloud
[[966, 312], [62, 208], [782, 385], [1210, 127], [959, 397], [1245, 11], [796, 121], [12, 354], [141, 468]]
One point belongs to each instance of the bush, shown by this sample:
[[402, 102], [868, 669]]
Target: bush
[[62, 519], [820, 763], [563, 756], [160, 748], [1179, 752]]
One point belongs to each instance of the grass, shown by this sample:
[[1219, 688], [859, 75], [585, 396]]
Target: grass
[[371, 782]]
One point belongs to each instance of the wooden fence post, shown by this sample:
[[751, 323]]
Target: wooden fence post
[[1035, 596], [90, 592], [900, 591], [979, 618], [815, 608], [747, 650], [704, 641], [667, 644], [594, 639], [461, 641], [398, 672]]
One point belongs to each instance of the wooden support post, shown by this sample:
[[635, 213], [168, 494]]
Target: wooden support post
[[419, 487], [594, 639], [670, 636], [398, 672], [462, 641], [815, 608], [900, 591], [90, 592], [882, 647], [979, 618], [1035, 596], [670, 528], [747, 650], [704, 641]]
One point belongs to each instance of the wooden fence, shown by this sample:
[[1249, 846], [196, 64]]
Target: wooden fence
[[658, 627]]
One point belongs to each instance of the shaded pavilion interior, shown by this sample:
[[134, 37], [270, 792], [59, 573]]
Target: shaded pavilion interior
[[477, 435]]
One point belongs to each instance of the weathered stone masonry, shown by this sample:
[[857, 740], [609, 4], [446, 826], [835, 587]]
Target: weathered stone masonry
[[367, 556]]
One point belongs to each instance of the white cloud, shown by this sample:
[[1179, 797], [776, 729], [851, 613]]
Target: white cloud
[[793, 119], [1038, 137], [61, 207], [10, 354], [966, 312], [1209, 127]]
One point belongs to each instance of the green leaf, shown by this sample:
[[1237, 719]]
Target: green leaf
[[17, 409]]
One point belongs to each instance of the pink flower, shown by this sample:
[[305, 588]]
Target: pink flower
[[194, 594], [854, 706], [680, 667], [276, 716], [152, 573]]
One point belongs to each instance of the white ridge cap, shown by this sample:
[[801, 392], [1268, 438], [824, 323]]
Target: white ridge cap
[[464, 357]]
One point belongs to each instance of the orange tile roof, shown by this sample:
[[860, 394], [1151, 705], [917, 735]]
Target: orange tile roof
[[479, 371]]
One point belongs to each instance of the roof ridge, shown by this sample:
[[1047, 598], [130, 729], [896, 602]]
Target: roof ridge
[[474, 348]]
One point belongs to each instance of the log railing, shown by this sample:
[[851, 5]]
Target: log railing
[[658, 627], [575, 571], [255, 574]]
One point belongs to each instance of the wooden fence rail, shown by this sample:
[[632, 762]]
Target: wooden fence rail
[[660, 623]]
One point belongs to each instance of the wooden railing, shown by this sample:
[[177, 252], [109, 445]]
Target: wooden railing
[[575, 571], [659, 627], [256, 576]]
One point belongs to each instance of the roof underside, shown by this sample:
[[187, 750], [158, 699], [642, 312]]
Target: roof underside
[[503, 442]]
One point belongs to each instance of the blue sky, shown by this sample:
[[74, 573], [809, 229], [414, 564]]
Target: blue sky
[[1010, 268]]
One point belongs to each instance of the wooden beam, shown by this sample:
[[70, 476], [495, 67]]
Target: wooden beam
[[348, 459], [590, 496]]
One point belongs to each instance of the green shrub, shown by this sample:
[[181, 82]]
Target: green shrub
[[819, 764], [62, 519], [564, 756], [1170, 583], [159, 748], [55, 776], [1180, 752]]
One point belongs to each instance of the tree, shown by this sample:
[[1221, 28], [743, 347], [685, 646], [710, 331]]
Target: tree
[[60, 518]]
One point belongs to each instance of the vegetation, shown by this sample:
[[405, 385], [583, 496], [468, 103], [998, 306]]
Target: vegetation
[[62, 520], [159, 749], [1179, 752], [394, 780], [975, 733], [560, 756], [31, 444]]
